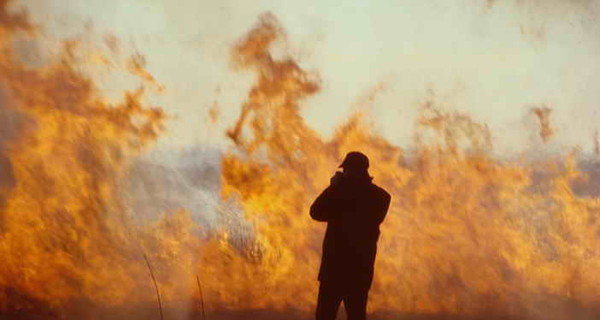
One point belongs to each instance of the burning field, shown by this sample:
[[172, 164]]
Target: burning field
[[469, 235]]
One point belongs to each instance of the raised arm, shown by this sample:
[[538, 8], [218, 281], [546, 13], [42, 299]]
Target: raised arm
[[324, 206]]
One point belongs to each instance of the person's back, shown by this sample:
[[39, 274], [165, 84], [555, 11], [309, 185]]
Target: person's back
[[353, 208]]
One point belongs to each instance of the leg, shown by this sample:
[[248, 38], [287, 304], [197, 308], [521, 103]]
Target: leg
[[329, 301], [355, 303]]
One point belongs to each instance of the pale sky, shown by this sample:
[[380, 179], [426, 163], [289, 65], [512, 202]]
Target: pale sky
[[491, 59]]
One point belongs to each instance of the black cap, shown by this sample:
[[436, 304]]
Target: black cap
[[355, 160]]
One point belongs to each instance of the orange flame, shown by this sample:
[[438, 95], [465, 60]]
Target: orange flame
[[65, 233], [467, 234]]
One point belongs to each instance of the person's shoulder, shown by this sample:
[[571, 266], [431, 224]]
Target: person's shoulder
[[381, 192]]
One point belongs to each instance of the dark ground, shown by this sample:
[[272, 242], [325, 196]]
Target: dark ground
[[18, 307], [152, 313]]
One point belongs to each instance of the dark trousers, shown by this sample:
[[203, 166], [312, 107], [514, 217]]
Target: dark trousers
[[331, 294]]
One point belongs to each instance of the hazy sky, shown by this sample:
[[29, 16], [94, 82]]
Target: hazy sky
[[492, 59]]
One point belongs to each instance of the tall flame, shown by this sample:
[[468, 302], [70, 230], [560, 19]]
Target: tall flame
[[467, 234], [66, 236]]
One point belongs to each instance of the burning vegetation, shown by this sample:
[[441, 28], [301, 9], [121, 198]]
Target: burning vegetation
[[467, 235]]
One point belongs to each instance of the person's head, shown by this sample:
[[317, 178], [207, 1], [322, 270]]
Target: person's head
[[355, 164]]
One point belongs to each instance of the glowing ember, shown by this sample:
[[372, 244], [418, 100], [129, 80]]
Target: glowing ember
[[543, 115]]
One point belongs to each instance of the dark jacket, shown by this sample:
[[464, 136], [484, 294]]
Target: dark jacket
[[353, 209]]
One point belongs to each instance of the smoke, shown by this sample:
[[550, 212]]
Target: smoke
[[11, 120], [186, 179], [9, 126]]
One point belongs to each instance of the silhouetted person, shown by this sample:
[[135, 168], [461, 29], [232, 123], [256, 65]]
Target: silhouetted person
[[353, 208]]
